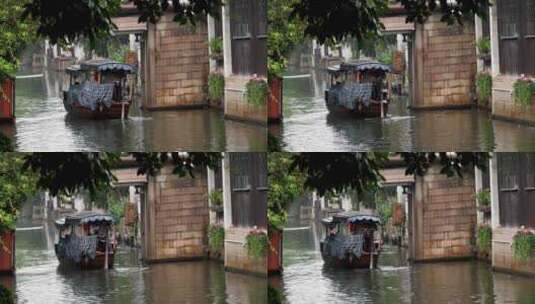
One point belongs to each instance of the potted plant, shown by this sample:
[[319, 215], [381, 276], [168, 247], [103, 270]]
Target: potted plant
[[523, 244], [257, 244], [216, 87], [484, 240], [484, 87], [256, 91], [216, 199], [483, 48], [523, 91], [216, 240], [216, 48], [483, 198]]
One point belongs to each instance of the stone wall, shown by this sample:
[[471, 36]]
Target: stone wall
[[445, 64], [236, 105], [177, 216], [236, 257], [503, 105], [502, 252], [444, 216], [178, 64]]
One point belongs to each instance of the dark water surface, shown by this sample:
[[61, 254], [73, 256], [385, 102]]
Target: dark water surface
[[308, 126], [38, 279], [306, 280], [42, 125]]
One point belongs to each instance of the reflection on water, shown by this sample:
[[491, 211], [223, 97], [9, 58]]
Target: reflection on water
[[39, 280], [307, 126], [306, 280], [42, 125]]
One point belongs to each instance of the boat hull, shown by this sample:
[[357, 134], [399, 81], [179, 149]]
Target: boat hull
[[113, 112], [360, 111], [88, 264], [351, 262]]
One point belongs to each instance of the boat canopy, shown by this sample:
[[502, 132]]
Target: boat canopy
[[73, 69], [360, 66], [107, 65], [85, 217], [352, 217]]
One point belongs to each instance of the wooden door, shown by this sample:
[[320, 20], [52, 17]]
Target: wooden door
[[516, 33], [516, 186], [248, 25], [248, 182]]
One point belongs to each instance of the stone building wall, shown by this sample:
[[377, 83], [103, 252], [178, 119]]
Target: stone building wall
[[236, 105], [178, 64], [445, 64], [502, 252], [444, 215], [236, 257], [177, 216], [503, 105]]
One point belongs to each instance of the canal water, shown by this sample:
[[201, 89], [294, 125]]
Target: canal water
[[306, 279], [42, 124], [39, 280], [308, 126]]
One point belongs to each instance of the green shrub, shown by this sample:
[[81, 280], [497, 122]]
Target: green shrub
[[523, 90], [274, 295], [256, 91], [6, 296], [484, 87], [5, 143], [216, 238], [216, 46], [216, 197], [257, 244], [483, 197], [216, 86], [484, 239], [483, 46], [523, 245]]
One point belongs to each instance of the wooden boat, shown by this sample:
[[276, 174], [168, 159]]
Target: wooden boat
[[358, 88], [350, 240], [86, 240], [99, 89]]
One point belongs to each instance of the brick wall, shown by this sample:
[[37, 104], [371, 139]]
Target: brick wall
[[178, 216], [236, 105], [236, 257], [503, 105], [445, 61], [178, 64], [445, 216], [502, 252]]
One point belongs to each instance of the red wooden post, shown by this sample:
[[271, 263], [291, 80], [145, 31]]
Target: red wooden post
[[275, 252], [7, 100], [275, 99], [7, 252]]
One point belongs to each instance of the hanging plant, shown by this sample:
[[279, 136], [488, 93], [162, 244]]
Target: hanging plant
[[216, 238], [484, 87], [484, 239], [523, 91], [257, 244], [256, 91], [523, 245], [216, 46], [216, 197], [216, 86]]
